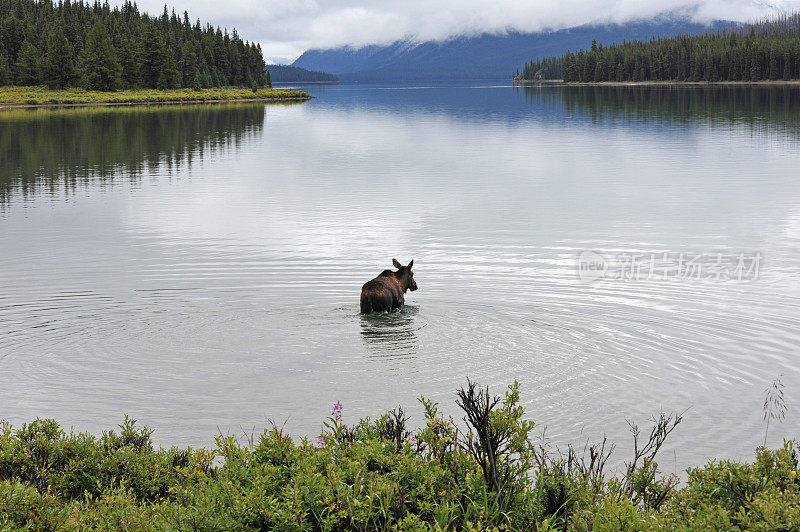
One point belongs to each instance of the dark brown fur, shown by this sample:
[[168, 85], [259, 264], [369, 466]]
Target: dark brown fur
[[385, 292]]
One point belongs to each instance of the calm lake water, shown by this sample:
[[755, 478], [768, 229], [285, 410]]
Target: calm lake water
[[199, 267]]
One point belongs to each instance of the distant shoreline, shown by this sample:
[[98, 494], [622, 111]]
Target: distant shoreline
[[337, 82], [654, 83], [165, 102], [12, 97]]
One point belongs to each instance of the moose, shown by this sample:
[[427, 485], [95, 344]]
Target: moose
[[385, 292]]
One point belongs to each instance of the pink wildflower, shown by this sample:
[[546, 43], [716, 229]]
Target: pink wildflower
[[336, 413]]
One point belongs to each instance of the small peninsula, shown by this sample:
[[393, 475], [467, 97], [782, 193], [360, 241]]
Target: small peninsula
[[22, 97], [76, 53]]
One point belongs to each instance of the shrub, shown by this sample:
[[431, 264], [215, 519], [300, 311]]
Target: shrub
[[379, 475]]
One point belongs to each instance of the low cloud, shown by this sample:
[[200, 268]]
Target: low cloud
[[286, 29]]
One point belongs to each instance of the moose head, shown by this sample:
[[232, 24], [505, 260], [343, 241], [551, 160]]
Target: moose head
[[405, 275]]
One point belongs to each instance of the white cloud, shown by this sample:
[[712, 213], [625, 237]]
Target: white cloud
[[285, 28]]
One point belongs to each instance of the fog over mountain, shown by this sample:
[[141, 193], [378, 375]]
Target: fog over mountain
[[484, 56], [287, 29]]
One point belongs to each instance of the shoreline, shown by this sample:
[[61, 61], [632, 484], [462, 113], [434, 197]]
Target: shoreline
[[558, 82], [305, 83], [165, 102], [30, 97]]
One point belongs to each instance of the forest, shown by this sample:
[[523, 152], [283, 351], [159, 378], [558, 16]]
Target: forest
[[292, 74], [97, 47], [766, 50]]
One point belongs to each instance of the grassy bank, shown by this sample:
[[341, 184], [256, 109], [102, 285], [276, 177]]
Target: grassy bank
[[377, 475], [37, 96]]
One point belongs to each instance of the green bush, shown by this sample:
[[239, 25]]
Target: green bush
[[379, 475]]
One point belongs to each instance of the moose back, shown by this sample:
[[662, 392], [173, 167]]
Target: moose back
[[385, 292]]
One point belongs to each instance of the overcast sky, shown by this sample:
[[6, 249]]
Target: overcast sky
[[286, 28]]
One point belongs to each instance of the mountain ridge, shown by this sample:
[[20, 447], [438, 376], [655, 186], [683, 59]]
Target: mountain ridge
[[483, 56]]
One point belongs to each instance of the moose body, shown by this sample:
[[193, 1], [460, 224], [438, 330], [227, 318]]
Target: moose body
[[386, 291]]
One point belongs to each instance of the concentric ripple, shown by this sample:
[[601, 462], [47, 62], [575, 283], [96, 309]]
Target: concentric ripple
[[214, 285]]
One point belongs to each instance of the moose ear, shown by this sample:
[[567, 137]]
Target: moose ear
[[410, 264], [397, 264]]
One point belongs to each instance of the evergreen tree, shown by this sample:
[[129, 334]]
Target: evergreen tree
[[153, 57], [773, 66], [755, 69], [129, 60], [165, 50], [5, 69], [787, 66], [189, 66], [766, 50], [27, 66], [59, 67], [169, 77], [99, 64]]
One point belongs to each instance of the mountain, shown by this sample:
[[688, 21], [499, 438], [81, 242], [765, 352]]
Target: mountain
[[293, 74], [485, 56]]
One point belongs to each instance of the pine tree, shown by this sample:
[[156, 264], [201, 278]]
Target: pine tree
[[59, 67], [169, 77], [153, 57], [189, 66], [5, 69], [787, 66], [755, 69], [31, 37], [269, 80], [765, 50], [773, 66], [27, 66], [99, 64], [129, 60]]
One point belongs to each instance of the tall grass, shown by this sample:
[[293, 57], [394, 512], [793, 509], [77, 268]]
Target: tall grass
[[10, 95]]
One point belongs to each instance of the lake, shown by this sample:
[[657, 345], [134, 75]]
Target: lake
[[619, 251]]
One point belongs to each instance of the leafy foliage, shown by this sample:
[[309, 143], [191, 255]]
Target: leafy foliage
[[375, 475], [497, 439]]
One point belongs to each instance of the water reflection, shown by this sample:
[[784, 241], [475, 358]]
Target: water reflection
[[59, 149], [56, 150], [763, 108], [391, 334]]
